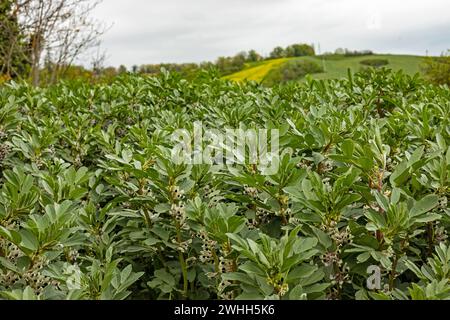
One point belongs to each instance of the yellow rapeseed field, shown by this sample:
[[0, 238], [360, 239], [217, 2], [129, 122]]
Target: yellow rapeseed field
[[258, 72]]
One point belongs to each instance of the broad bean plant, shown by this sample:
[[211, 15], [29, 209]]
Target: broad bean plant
[[92, 205]]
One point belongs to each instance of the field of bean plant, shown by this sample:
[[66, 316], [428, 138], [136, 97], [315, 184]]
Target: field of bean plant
[[93, 207]]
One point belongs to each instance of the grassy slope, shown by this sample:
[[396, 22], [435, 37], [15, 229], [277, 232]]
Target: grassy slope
[[334, 68]]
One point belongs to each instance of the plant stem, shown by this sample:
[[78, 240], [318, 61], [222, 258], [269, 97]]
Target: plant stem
[[392, 274], [182, 263], [216, 261], [430, 236], [184, 271], [148, 221], [379, 234]]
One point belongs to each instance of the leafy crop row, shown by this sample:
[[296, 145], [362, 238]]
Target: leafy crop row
[[92, 208]]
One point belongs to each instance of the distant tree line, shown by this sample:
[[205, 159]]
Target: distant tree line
[[228, 65], [294, 50], [224, 65], [352, 53]]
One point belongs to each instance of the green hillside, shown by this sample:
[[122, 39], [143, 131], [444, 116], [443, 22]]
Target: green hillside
[[334, 66]]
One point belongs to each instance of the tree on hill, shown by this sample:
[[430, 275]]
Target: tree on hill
[[253, 56], [299, 50], [228, 65], [122, 69], [277, 52], [294, 50]]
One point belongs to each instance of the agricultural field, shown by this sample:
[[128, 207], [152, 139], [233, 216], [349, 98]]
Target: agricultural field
[[93, 207], [335, 66], [257, 71]]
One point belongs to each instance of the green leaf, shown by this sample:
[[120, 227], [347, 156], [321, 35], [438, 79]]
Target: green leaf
[[11, 235], [424, 205], [376, 217], [165, 276], [238, 276], [28, 294], [382, 201], [363, 257], [416, 156], [400, 174], [251, 268], [297, 293], [29, 240], [348, 147], [429, 217], [302, 271]]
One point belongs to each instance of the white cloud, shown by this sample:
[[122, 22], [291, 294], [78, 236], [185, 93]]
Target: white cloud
[[151, 31]]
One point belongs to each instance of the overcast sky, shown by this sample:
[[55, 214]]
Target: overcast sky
[[153, 31]]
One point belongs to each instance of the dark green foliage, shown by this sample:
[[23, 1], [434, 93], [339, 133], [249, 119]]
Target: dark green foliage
[[253, 56], [295, 50], [225, 65], [292, 71], [13, 60], [437, 69], [356, 53], [187, 70], [228, 65], [277, 52], [299, 50], [376, 63]]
